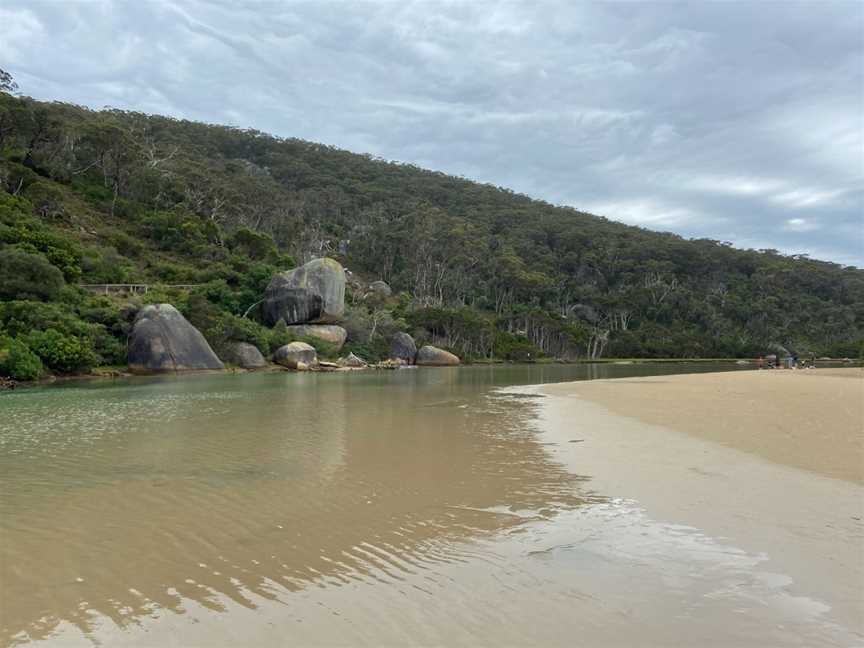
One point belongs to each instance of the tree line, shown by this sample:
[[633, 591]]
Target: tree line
[[114, 197]]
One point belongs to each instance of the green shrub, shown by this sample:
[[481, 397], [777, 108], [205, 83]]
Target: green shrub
[[125, 244], [32, 236], [516, 348], [28, 276], [106, 265], [179, 231], [62, 353], [18, 361], [372, 351], [158, 294], [170, 272], [279, 336], [254, 245], [21, 317], [109, 349], [46, 198], [218, 293], [220, 271], [15, 177], [254, 275], [242, 329], [323, 348], [14, 209]]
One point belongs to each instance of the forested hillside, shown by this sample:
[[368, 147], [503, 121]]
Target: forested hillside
[[121, 197]]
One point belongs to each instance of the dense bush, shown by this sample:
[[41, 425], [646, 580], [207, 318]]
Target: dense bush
[[28, 276], [279, 336], [62, 353], [20, 317], [253, 244], [172, 273], [18, 361], [219, 327], [516, 348], [95, 322], [241, 329], [106, 265], [19, 228], [372, 351]]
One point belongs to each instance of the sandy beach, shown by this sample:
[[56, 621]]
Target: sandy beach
[[770, 462], [810, 419]]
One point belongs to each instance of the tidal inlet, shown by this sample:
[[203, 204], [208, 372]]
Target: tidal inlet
[[520, 505]]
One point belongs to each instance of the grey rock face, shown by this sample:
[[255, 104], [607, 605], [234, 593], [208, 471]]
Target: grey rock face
[[163, 340], [296, 355], [431, 356], [335, 335], [245, 355], [380, 288], [291, 304], [314, 292], [402, 347]]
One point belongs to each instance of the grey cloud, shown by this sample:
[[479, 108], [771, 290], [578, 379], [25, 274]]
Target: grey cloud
[[734, 121]]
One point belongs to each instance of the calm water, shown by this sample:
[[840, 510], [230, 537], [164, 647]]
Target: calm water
[[274, 499]]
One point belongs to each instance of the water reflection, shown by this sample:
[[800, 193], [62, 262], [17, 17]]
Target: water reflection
[[122, 500]]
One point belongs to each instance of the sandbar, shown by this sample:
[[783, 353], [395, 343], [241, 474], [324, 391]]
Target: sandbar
[[769, 462]]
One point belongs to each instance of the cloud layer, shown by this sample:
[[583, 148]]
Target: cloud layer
[[739, 122]]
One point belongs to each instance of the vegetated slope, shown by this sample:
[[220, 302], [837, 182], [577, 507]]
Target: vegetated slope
[[123, 197]]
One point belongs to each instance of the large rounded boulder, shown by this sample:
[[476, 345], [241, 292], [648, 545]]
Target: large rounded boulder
[[431, 356], [163, 340], [314, 292], [402, 347], [245, 355], [330, 333], [296, 355]]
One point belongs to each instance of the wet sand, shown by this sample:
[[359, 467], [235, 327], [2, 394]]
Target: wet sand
[[770, 462], [810, 419]]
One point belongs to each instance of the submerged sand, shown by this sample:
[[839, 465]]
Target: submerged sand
[[675, 510]]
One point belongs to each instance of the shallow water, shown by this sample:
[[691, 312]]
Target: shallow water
[[415, 506]]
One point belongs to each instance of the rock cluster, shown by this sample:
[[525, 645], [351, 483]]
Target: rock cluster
[[310, 299], [403, 349], [314, 292]]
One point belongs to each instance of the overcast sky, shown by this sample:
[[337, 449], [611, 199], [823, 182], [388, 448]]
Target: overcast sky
[[735, 121]]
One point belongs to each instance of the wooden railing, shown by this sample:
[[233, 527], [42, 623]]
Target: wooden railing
[[132, 289]]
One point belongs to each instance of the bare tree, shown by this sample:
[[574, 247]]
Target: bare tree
[[660, 286], [7, 83]]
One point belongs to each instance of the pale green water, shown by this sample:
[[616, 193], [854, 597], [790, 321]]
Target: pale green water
[[211, 495]]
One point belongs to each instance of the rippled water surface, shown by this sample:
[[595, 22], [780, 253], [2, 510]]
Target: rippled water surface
[[235, 496]]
